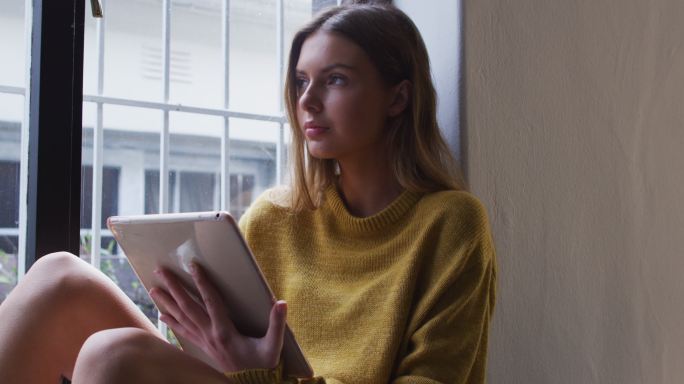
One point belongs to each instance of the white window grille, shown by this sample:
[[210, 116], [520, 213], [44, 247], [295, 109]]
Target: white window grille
[[172, 65], [172, 72]]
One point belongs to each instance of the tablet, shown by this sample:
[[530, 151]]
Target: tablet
[[214, 241]]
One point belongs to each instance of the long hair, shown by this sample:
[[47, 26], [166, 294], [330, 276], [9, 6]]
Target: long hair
[[420, 158]]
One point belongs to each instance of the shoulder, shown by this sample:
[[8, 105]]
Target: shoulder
[[268, 207], [454, 209], [458, 223]]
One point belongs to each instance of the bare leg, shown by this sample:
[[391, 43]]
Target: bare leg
[[130, 355], [49, 315]]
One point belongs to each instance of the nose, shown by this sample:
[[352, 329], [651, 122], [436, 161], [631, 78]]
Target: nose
[[310, 100]]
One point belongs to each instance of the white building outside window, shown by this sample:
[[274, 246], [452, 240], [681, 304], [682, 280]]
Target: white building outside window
[[124, 129], [12, 78]]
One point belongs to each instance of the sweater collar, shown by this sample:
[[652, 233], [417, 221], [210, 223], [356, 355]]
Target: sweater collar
[[390, 214]]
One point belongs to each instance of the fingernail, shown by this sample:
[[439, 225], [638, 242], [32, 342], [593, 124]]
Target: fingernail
[[281, 307]]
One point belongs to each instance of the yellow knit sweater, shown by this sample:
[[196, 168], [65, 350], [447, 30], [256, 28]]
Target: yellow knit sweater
[[403, 296]]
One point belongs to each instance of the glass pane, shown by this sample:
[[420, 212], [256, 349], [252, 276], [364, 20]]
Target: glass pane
[[196, 73], [253, 65], [152, 190], [131, 141], [10, 136], [195, 157], [131, 144], [90, 52], [252, 161], [12, 43], [133, 69], [131, 147], [88, 120], [296, 14], [287, 166], [110, 192], [196, 52], [133, 54]]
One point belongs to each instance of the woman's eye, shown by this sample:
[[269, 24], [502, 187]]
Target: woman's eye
[[301, 84], [337, 80]]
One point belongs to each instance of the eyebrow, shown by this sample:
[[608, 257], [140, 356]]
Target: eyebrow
[[331, 67]]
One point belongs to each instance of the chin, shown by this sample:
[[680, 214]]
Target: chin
[[321, 153], [321, 157]]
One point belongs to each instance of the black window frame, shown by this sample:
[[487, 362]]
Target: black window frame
[[55, 100]]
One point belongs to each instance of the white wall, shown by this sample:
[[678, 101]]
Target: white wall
[[575, 130], [439, 24]]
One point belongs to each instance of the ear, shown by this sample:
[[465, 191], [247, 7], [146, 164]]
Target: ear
[[400, 95]]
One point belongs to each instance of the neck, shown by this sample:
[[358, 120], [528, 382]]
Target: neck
[[367, 186]]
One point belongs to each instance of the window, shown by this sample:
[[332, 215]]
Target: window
[[182, 112], [242, 193], [156, 97], [152, 191], [9, 221], [9, 197], [12, 74], [204, 185], [110, 199]]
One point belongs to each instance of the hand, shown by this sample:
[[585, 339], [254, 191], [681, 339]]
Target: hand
[[206, 323]]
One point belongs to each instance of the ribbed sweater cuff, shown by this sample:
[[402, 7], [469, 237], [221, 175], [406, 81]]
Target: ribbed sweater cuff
[[257, 376]]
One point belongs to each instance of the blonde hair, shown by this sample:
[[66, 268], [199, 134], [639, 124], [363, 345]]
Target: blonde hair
[[421, 159]]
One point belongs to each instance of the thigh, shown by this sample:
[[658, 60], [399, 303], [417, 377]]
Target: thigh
[[132, 355], [50, 314]]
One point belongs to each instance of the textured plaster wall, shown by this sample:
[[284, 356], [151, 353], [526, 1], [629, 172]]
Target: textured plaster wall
[[573, 121]]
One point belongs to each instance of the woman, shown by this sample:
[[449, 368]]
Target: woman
[[387, 266]]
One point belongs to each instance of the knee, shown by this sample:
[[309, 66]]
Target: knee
[[56, 263], [114, 355], [63, 272]]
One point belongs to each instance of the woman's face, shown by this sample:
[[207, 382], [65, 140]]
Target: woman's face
[[343, 103]]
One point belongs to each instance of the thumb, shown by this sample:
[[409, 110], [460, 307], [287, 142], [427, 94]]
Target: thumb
[[276, 331]]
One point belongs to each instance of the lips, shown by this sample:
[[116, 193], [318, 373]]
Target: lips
[[314, 130]]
